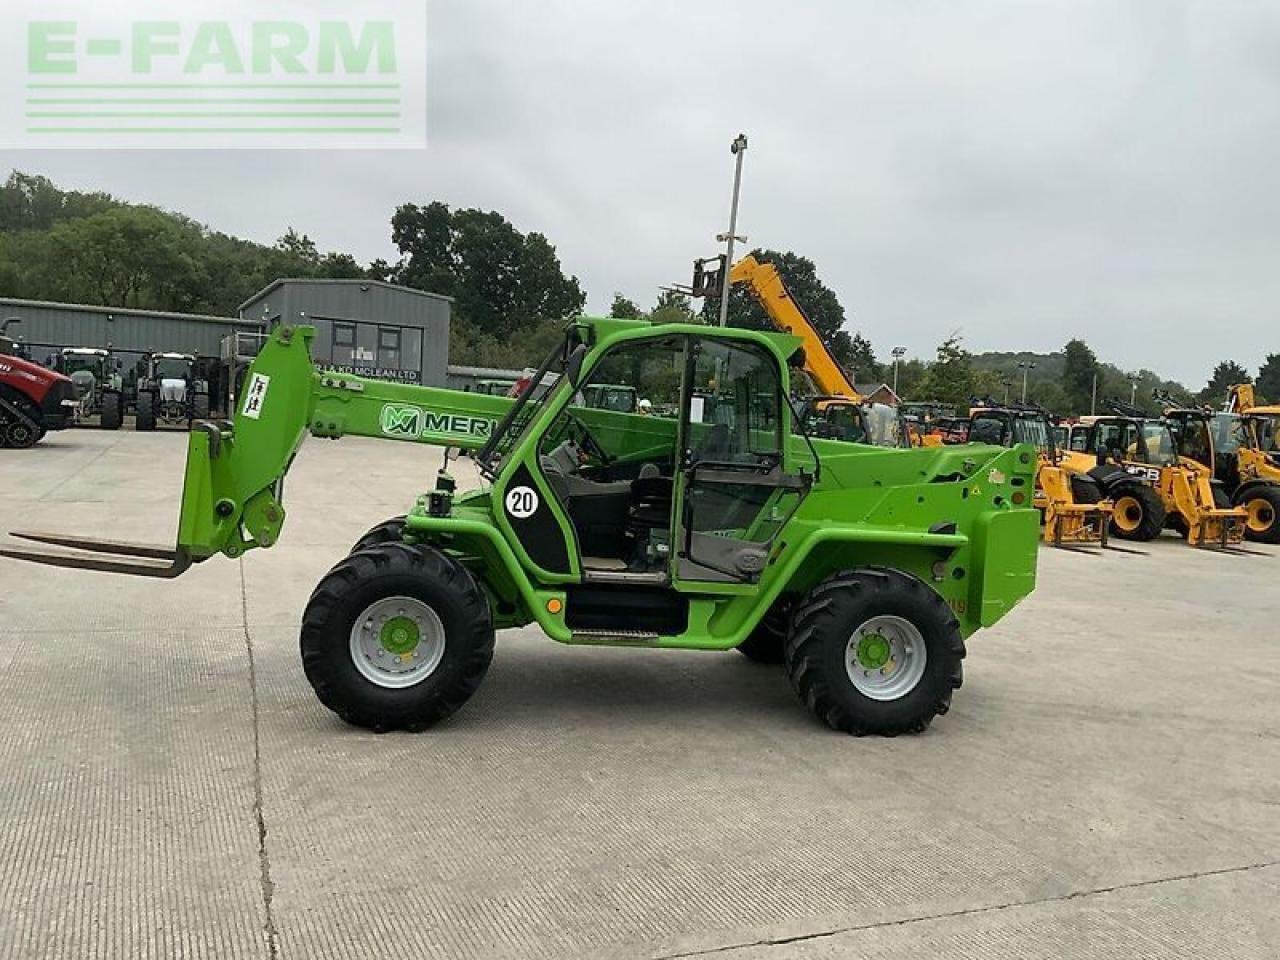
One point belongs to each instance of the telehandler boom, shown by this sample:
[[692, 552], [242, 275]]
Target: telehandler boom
[[716, 528]]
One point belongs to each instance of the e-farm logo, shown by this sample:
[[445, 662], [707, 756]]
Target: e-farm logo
[[287, 74]]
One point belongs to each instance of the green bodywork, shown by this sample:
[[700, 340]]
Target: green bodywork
[[958, 518]]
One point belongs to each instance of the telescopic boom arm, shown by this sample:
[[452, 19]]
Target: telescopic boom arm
[[231, 498]]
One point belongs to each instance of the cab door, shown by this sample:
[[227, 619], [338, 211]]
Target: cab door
[[737, 485]]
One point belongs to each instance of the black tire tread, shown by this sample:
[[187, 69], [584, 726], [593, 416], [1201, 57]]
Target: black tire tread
[[388, 531], [767, 642], [410, 713], [1272, 495], [814, 616], [1153, 513]]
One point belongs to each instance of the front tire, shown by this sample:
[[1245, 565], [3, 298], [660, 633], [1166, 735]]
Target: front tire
[[875, 651], [112, 411], [146, 418], [396, 636], [1139, 513]]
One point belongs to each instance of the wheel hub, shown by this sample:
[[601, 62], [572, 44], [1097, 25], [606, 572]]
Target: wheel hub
[[399, 635], [885, 657], [873, 651], [397, 642]]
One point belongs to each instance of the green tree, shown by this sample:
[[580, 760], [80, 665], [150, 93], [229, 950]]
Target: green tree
[[950, 377], [672, 307], [1224, 375], [861, 362], [624, 308], [128, 257], [502, 281], [1269, 378], [1079, 371]]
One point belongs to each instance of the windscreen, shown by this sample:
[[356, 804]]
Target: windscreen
[[171, 368], [1159, 440], [1031, 430], [533, 395]]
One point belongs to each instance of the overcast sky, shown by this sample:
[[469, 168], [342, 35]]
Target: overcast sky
[[1022, 172]]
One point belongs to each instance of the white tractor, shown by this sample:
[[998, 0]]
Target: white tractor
[[170, 392]]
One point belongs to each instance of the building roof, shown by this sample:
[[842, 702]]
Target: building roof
[[366, 284], [7, 302], [867, 389]]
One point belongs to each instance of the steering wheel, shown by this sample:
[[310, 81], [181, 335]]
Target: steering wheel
[[588, 443]]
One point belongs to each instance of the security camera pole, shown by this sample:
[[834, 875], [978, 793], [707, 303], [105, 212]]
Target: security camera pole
[[1025, 368], [737, 148], [898, 353]]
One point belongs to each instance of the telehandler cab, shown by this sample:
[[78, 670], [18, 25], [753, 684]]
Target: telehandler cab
[[863, 569], [837, 411]]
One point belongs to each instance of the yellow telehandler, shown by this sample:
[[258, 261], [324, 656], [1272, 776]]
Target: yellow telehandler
[[1227, 446], [1135, 461]]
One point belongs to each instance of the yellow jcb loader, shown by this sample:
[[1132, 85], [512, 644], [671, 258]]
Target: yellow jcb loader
[[1135, 461], [1227, 447]]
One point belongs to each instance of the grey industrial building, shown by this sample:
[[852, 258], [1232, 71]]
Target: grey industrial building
[[363, 326], [46, 327]]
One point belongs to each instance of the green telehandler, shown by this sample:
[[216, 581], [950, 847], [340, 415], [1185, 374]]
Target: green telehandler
[[713, 528]]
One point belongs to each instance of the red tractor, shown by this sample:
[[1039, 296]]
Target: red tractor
[[33, 399]]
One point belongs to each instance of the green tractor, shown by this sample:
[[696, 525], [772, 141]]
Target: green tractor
[[95, 372], [861, 569]]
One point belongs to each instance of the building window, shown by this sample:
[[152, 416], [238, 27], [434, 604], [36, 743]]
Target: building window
[[344, 342], [389, 347]]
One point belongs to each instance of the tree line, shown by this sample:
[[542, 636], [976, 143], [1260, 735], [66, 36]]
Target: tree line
[[511, 293]]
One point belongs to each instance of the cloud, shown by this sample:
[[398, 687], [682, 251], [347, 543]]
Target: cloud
[[1023, 172]]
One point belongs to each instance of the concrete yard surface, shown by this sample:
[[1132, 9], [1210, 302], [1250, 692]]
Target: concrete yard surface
[[1105, 785]]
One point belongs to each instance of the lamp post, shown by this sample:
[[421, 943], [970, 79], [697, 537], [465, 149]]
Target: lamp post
[[738, 148], [898, 353], [1026, 368], [1133, 388], [1006, 383]]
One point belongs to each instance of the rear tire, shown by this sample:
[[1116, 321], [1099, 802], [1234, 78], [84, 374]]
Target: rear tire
[[146, 419], [1263, 522], [200, 407], [384, 613], [767, 642], [388, 531], [112, 411], [853, 626], [1139, 513]]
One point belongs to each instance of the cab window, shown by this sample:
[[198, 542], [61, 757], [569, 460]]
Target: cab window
[[735, 404]]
